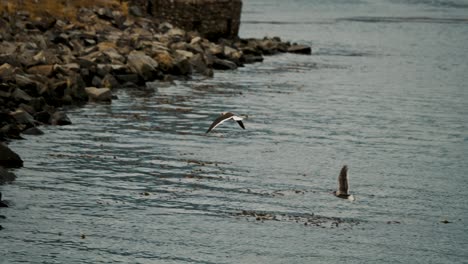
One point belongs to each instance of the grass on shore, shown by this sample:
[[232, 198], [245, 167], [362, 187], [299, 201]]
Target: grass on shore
[[66, 9]]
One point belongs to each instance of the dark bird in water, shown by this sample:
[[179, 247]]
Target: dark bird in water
[[2, 204], [342, 191], [223, 117]]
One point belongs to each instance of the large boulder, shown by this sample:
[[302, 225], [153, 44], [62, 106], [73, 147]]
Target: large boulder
[[59, 119], [199, 65], [26, 82], [182, 65], [143, 65], [46, 57], [5, 91], [7, 72], [23, 117], [219, 64], [45, 70], [35, 131], [11, 131], [250, 58], [165, 61], [233, 55], [20, 95], [8, 158], [300, 49], [99, 94], [109, 81], [42, 116], [44, 23]]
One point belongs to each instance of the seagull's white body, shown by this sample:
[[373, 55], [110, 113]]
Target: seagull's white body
[[224, 117]]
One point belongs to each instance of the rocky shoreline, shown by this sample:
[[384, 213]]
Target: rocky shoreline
[[49, 63]]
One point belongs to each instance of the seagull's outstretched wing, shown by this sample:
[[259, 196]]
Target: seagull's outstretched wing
[[218, 121], [223, 117], [343, 181]]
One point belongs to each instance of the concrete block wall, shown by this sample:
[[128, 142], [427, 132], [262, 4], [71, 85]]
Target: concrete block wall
[[214, 19]]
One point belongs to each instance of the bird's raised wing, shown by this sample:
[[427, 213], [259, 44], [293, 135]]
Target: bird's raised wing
[[343, 181]]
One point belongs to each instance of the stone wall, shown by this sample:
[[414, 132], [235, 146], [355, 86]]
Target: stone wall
[[214, 19]]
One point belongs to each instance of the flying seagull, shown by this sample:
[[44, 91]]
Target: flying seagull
[[342, 191], [2, 204], [223, 117]]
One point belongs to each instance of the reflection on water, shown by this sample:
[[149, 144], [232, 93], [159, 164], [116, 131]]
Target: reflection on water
[[139, 181]]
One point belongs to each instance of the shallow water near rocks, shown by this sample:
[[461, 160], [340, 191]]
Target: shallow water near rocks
[[139, 181]]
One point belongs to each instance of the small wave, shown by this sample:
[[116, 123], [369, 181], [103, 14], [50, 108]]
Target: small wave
[[344, 53], [369, 19], [273, 22], [433, 3], [305, 219]]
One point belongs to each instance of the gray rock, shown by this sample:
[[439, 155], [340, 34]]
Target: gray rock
[[43, 117], [60, 119], [184, 53], [128, 78], [104, 13], [37, 104], [173, 32], [143, 65], [77, 85], [99, 94], [215, 49], [5, 91], [250, 58], [27, 58], [195, 48], [8, 158], [165, 61], [77, 47], [300, 49], [22, 117], [109, 81], [199, 65], [46, 57], [219, 64], [96, 81], [26, 107], [135, 11], [44, 23], [33, 131], [11, 59], [182, 66], [45, 70], [67, 68], [21, 96], [165, 27], [7, 72], [11, 131], [26, 82]]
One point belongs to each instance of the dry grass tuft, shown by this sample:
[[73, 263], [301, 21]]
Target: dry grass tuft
[[58, 8]]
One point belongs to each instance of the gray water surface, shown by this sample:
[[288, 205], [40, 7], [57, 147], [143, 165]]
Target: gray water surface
[[139, 181]]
